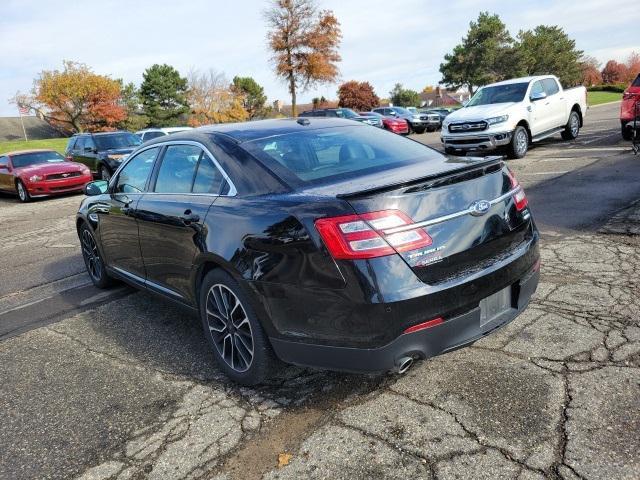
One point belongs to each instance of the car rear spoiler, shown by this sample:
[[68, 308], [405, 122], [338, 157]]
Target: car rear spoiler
[[476, 167]]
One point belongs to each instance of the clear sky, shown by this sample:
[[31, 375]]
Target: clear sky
[[384, 41]]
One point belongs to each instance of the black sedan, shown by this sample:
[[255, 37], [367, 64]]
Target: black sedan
[[319, 242]]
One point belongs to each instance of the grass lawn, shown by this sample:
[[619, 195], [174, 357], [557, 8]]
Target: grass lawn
[[57, 144], [596, 98]]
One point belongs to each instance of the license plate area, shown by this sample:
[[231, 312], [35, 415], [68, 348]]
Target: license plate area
[[495, 305]]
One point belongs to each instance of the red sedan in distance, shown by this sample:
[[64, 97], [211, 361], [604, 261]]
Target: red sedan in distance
[[40, 173], [393, 124]]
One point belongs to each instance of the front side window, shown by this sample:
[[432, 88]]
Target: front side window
[[89, 143], [133, 176], [150, 135], [178, 168], [26, 159], [79, 147], [511, 92], [345, 152], [550, 86], [4, 161], [71, 143], [537, 88]]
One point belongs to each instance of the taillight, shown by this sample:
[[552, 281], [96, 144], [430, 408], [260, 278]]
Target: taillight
[[520, 198], [361, 236], [630, 96]]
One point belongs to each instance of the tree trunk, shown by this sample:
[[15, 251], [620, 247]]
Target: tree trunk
[[292, 89]]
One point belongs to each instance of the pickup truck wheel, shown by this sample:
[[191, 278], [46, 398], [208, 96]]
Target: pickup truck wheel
[[572, 128], [627, 133], [519, 143], [419, 130]]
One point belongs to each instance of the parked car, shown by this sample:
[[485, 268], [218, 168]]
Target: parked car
[[101, 152], [630, 98], [40, 173], [316, 241], [336, 113], [514, 113], [418, 122], [393, 124], [441, 112], [375, 119], [149, 133]]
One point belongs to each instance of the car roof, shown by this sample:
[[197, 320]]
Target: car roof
[[164, 129], [248, 131], [521, 80], [99, 133], [21, 152]]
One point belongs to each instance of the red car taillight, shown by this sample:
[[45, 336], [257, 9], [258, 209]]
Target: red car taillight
[[361, 236], [630, 96], [520, 197]]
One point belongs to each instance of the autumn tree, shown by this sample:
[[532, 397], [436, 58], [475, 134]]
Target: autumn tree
[[549, 50], [75, 99], [633, 66], [429, 89], [590, 68], [212, 100], [357, 95], [486, 55], [251, 96], [614, 72], [404, 97], [164, 96], [304, 44], [132, 103]]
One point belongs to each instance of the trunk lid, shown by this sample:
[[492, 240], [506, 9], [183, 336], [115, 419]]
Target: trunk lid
[[470, 214]]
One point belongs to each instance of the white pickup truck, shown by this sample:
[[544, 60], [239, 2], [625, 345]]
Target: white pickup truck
[[511, 114]]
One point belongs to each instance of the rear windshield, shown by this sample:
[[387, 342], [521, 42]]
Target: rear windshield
[[25, 159], [513, 92], [636, 82], [117, 140], [345, 113], [319, 156]]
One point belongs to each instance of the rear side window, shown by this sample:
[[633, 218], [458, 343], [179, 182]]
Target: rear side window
[[177, 169], [150, 135], [209, 178], [343, 152], [72, 142], [636, 82], [133, 176], [550, 86]]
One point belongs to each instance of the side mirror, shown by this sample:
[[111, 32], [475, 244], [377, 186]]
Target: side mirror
[[538, 96], [97, 187]]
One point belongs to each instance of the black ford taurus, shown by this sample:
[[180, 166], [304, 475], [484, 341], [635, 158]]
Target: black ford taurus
[[318, 242]]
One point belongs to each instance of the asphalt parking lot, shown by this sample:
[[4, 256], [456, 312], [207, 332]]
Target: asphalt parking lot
[[120, 385]]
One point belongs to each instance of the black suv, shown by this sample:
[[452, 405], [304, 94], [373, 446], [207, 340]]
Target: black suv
[[101, 152], [336, 113]]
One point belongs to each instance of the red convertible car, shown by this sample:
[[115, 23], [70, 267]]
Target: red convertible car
[[39, 173]]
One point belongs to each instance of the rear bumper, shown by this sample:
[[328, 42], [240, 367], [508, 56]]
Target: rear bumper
[[454, 333], [480, 141]]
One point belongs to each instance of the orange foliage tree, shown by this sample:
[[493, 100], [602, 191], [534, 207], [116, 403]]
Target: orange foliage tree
[[76, 99], [614, 72], [633, 66], [304, 43], [212, 100], [590, 68], [357, 95]]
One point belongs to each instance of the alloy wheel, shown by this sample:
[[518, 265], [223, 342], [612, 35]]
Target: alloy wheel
[[229, 327], [91, 255], [22, 193], [522, 142], [574, 125]]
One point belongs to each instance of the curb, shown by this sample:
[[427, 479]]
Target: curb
[[603, 104]]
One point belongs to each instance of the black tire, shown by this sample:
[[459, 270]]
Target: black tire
[[235, 331], [450, 151], [23, 193], [572, 128], [410, 129], [627, 133], [104, 173], [93, 259], [419, 130], [431, 129], [519, 143]]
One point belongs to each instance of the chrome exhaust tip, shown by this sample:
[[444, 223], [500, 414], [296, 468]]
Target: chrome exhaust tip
[[404, 364]]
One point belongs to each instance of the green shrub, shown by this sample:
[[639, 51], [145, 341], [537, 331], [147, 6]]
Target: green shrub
[[616, 88]]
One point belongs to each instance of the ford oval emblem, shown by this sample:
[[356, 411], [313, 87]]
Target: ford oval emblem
[[480, 207]]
